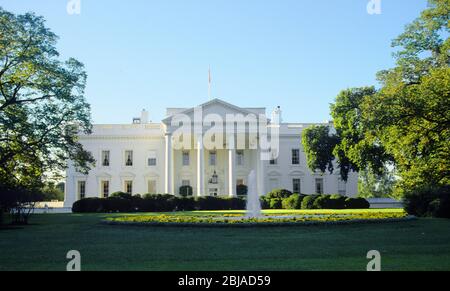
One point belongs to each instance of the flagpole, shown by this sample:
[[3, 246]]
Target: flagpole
[[209, 83]]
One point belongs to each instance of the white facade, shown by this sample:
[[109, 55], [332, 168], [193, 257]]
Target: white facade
[[148, 157]]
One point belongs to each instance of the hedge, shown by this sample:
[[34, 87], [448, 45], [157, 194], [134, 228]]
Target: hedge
[[301, 201], [155, 203], [428, 201]]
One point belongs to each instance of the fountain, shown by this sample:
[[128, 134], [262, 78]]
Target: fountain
[[253, 203]]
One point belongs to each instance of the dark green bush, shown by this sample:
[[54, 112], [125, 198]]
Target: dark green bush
[[185, 204], [265, 202], [236, 204], [276, 203], [279, 193], [308, 201], [122, 195], [88, 205], [186, 191], [293, 202], [241, 190], [117, 204], [356, 203], [329, 202], [429, 201]]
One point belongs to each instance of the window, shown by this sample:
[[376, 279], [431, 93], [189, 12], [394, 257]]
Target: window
[[152, 187], [128, 158], [151, 161], [186, 160], [296, 185], [129, 187], [105, 189], [81, 189], [185, 183], [105, 158], [240, 158], [240, 182], [342, 185], [319, 186], [212, 158], [296, 157]]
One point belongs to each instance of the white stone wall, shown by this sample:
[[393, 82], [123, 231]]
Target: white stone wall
[[143, 138]]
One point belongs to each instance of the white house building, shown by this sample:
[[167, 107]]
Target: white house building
[[205, 148]]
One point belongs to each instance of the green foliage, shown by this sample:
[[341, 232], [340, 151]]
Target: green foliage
[[52, 192], [293, 202], [371, 185], [429, 201], [318, 145], [122, 195], [329, 202], [275, 203], [42, 104], [404, 124], [186, 191], [308, 201], [279, 193], [122, 202], [356, 203]]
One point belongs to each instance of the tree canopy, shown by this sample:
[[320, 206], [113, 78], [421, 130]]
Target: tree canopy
[[406, 122], [42, 104]]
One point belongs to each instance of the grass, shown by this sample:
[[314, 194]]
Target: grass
[[422, 244]]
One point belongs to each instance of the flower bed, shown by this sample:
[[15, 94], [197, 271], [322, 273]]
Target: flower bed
[[282, 219]]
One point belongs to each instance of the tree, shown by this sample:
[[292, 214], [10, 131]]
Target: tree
[[318, 145], [406, 123], [410, 115], [42, 105], [371, 185]]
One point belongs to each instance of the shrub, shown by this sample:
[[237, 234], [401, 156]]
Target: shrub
[[88, 205], [308, 201], [329, 202], [428, 201], [356, 203], [122, 195], [265, 202], [236, 204], [279, 193], [241, 190], [186, 191], [156, 203], [293, 202], [185, 204], [117, 204], [275, 203]]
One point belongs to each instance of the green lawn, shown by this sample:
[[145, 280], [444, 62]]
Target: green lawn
[[422, 244]]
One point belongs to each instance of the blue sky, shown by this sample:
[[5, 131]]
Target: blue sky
[[155, 54]]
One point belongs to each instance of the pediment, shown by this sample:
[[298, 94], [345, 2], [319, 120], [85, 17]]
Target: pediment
[[215, 106]]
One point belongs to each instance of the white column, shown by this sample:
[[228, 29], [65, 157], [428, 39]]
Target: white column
[[200, 167], [168, 165], [261, 173], [231, 166]]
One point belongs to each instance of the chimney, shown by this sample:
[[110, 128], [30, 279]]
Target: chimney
[[144, 116], [276, 116]]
